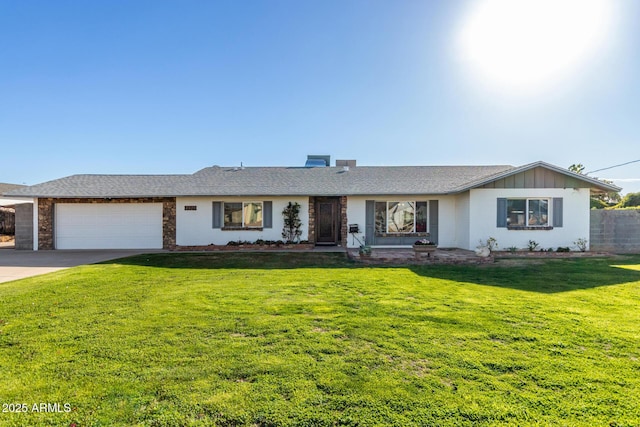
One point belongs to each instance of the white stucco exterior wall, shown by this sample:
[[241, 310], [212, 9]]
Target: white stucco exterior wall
[[195, 228], [462, 221], [356, 214], [483, 218]]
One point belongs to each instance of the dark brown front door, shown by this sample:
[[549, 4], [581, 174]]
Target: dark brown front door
[[327, 222]]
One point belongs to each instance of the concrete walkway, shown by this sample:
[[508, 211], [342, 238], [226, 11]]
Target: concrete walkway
[[16, 265]]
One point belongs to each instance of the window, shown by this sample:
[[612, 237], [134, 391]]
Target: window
[[400, 217], [242, 215], [528, 212], [245, 214]]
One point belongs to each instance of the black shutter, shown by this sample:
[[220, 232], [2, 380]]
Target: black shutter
[[502, 213], [217, 214], [267, 214]]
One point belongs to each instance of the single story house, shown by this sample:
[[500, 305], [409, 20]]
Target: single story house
[[345, 204]]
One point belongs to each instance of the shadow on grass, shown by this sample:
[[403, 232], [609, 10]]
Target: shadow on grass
[[240, 260], [547, 276]]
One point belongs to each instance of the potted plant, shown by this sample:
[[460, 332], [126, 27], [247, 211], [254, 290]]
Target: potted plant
[[484, 249], [425, 246], [365, 250]]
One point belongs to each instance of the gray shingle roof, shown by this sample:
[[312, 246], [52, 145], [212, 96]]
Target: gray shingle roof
[[105, 186], [5, 188], [273, 181], [280, 181]]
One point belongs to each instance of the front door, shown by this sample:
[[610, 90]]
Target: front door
[[327, 222]]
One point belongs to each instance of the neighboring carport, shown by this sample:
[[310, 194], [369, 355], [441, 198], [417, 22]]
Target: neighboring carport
[[11, 227]]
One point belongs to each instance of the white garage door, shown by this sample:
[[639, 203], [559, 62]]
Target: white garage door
[[108, 226]]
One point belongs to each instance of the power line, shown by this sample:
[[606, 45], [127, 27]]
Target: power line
[[611, 167]]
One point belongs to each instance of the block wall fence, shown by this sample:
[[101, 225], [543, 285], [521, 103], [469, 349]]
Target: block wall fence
[[615, 231]]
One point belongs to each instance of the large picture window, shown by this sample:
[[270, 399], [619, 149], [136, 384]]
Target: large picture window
[[528, 212], [243, 215], [400, 217]]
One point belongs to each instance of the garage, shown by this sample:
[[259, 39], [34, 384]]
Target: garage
[[108, 226]]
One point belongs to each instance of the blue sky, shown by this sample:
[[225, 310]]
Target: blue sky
[[174, 86]]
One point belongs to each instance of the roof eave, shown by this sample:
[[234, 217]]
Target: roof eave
[[596, 184]]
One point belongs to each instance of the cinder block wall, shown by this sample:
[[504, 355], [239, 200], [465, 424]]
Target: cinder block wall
[[615, 231], [24, 226]]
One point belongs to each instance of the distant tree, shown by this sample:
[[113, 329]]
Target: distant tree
[[629, 201], [577, 168], [602, 200], [596, 203]]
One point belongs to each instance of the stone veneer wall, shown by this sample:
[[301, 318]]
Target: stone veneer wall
[[344, 227], [312, 220], [45, 224], [46, 219]]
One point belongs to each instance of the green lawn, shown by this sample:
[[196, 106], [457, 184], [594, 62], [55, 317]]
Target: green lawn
[[314, 340]]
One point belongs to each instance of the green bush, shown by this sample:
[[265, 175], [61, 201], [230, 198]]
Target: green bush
[[629, 201]]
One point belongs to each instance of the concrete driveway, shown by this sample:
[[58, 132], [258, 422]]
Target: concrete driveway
[[16, 265]]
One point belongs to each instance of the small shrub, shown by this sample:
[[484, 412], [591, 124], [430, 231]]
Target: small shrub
[[563, 249], [533, 245], [630, 200], [512, 249], [292, 229], [239, 243], [581, 244], [490, 243]]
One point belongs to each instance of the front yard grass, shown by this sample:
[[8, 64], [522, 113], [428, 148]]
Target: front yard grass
[[314, 340]]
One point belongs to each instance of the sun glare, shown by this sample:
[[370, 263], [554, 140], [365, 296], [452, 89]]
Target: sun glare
[[524, 46]]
